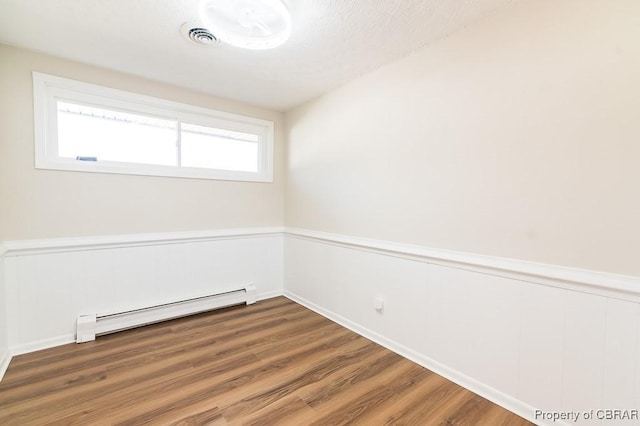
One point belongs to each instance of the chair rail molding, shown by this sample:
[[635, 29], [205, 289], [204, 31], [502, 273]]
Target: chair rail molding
[[58, 245], [599, 283]]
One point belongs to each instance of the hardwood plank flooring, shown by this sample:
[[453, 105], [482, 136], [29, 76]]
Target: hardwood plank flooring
[[272, 363]]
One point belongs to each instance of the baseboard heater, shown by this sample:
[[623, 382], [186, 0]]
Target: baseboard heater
[[92, 325]]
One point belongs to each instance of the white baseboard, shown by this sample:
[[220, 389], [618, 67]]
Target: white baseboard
[[5, 359], [270, 294], [512, 404], [39, 345]]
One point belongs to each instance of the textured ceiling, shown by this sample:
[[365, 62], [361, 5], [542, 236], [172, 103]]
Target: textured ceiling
[[332, 42]]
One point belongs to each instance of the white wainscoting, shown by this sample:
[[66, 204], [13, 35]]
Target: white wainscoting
[[526, 336], [49, 283], [5, 359], [5, 356]]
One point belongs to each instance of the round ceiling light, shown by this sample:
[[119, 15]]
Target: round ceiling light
[[250, 24]]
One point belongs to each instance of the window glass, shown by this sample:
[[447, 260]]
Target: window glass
[[212, 148], [107, 135]]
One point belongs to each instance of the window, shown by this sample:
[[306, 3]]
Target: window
[[84, 127]]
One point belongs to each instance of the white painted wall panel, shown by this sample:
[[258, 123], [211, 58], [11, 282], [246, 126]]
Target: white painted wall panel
[[11, 290], [489, 337], [171, 268], [444, 310], [584, 348], [542, 346], [620, 363], [135, 272], [28, 306], [55, 307], [637, 393], [97, 278], [47, 291], [4, 338]]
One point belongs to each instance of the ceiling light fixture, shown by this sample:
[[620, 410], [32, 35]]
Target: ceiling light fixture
[[250, 24]]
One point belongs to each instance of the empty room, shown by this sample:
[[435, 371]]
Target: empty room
[[296, 212]]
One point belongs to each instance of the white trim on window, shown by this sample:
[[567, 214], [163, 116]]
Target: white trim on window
[[48, 89]]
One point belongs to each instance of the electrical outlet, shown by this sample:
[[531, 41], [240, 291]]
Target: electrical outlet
[[378, 304]]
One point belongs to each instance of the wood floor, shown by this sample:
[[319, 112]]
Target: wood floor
[[272, 363]]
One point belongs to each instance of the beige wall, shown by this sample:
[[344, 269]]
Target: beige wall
[[517, 137], [43, 203]]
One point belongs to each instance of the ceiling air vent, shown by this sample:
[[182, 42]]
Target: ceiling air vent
[[199, 35]]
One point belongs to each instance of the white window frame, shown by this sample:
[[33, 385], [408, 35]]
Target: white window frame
[[48, 89]]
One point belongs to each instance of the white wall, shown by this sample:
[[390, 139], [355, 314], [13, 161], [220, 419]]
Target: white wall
[[50, 283], [44, 289], [516, 137], [523, 344], [49, 204]]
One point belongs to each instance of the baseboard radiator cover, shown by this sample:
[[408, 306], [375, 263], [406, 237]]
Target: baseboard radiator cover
[[91, 325]]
